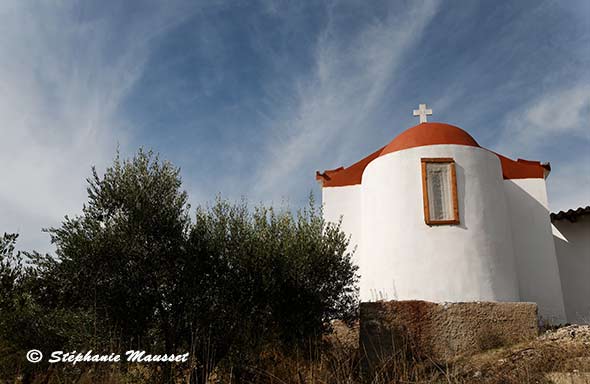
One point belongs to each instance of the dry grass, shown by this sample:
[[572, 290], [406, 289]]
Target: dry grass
[[557, 355], [566, 350]]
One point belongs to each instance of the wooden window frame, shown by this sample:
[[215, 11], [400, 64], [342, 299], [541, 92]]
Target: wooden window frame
[[454, 197]]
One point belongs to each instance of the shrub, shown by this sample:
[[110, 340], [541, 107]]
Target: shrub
[[134, 271]]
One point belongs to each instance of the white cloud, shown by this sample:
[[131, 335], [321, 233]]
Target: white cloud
[[542, 128], [564, 112], [569, 185], [347, 84], [554, 114], [63, 76]]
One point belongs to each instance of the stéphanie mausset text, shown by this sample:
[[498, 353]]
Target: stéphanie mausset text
[[131, 356]]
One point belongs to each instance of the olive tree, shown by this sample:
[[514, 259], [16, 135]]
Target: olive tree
[[221, 284]]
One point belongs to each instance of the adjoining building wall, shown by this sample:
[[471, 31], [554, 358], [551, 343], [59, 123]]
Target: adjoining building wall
[[402, 258], [536, 261], [345, 203], [572, 243]]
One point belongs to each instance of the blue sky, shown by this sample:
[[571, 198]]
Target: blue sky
[[250, 98]]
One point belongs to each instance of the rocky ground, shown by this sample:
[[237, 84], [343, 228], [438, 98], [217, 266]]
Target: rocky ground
[[559, 356]]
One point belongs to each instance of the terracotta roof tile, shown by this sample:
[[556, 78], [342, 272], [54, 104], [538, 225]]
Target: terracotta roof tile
[[571, 214]]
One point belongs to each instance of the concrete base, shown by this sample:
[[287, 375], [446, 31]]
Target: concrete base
[[441, 332]]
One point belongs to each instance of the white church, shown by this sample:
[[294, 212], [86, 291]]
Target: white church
[[434, 216]]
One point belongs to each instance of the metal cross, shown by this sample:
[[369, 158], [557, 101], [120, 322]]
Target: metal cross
[[422, 112]]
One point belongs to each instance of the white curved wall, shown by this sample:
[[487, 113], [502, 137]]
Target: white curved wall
[[536, 261], [402, 258], [344, 203]]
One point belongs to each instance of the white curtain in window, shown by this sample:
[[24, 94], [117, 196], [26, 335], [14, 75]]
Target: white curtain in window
[[440, 194]]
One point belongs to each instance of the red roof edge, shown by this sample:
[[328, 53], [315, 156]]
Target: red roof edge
[[511, 169], [352, 175], [523, 169]]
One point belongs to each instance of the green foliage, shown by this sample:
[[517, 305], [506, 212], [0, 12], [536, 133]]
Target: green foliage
[[24, 322], [270, 277], [119, 257], [11, 270], [134, 271]]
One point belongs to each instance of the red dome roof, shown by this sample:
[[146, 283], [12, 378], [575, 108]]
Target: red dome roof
[[428, 134]]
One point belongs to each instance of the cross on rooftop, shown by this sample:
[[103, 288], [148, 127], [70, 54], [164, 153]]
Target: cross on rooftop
[[422, 112]]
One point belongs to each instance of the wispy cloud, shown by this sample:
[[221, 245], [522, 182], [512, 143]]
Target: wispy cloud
[[549, 126], [253, 98], [331, 104], [64, 71], [554, 114], [569, 184]]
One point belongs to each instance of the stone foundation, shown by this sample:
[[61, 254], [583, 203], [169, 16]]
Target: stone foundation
[[440, 332]]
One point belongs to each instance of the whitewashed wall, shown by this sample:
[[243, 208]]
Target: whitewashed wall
[[403, 258], [572, 243], [536, 261], [345, 203]]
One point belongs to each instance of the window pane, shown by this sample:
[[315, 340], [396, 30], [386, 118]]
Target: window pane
[[440, 199]]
